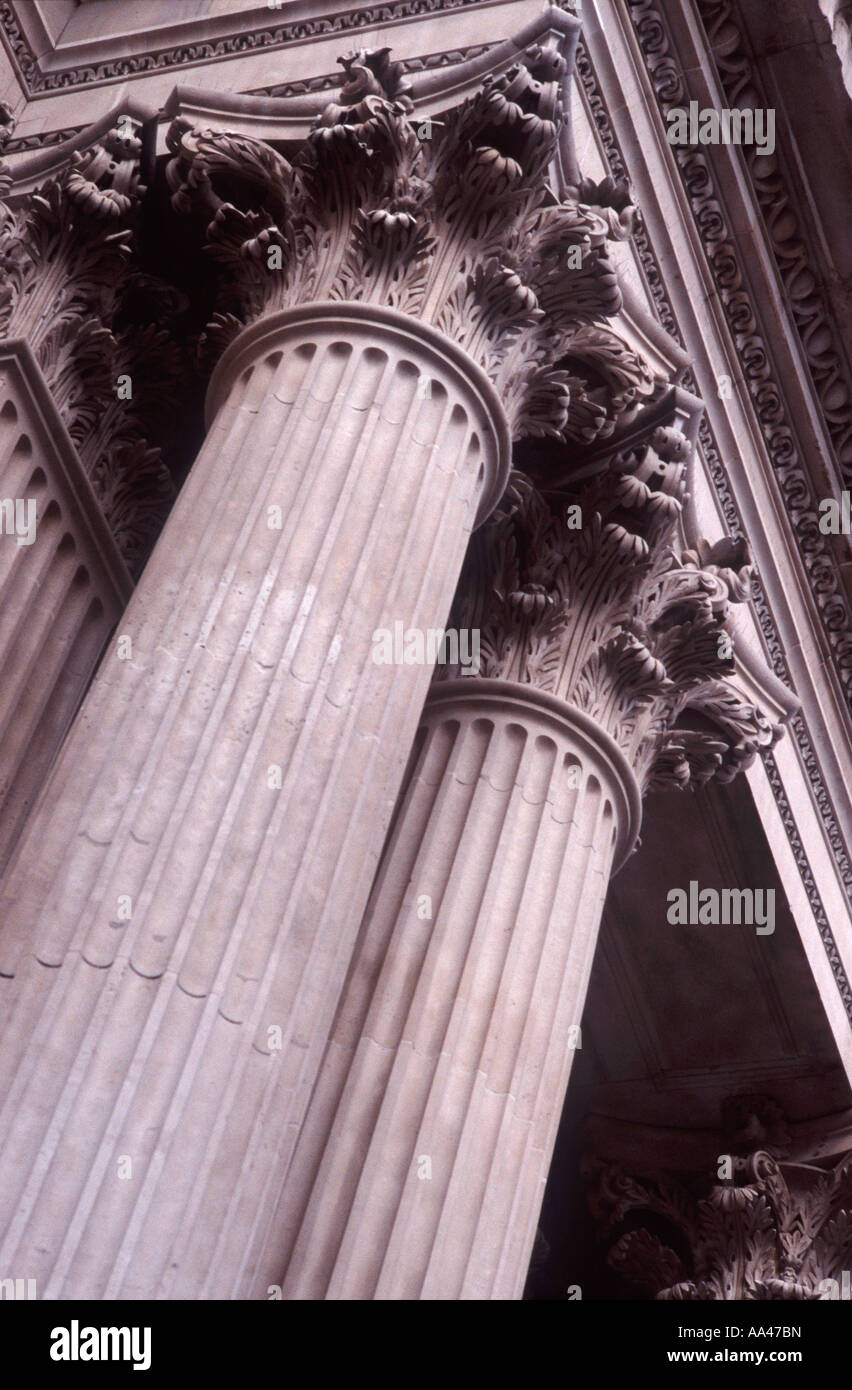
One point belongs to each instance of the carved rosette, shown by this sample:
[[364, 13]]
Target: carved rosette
[[773, 1230], [595, 601], [450, 221], [70, 288]]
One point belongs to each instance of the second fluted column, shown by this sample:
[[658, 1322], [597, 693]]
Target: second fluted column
[[421, 1166]]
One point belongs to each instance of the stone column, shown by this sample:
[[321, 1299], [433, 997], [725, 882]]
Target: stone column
[[460, 1018], [422, 1163], [178, 925], [74, 456], [230, 782], [62, 587]]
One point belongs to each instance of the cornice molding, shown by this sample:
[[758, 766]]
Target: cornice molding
[[726, 264], [38, 81], [289, 111], [795, 254], [803, 863], [289, 91]]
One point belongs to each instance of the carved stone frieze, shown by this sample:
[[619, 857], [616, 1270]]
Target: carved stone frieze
[[755, 1226], [594, 601], [452, 222], [71, 289]]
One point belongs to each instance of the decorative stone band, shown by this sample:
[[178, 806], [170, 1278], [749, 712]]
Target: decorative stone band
[[435, 1114], [796, 261], [441, 376], [188, 893]]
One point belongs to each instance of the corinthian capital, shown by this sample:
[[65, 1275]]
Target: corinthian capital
[[597, 602], [755, 1225], [71, 288], [452, 222]]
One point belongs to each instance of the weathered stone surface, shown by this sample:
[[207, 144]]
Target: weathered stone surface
[[71, 289], [63, 586], [453, 222]]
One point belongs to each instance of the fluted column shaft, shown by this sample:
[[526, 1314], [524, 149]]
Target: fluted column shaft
[[62, 587], [185, 902], [441, 1091]]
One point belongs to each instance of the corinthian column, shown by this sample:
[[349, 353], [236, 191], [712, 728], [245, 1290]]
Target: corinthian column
[[181, 914], [74, 461], [422, 1163]]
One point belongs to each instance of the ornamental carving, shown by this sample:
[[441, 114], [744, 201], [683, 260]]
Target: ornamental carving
[[450, 221], [814, 323], [70, 288], [594, 600], [721, 482], [795, 256], [757, 1226]]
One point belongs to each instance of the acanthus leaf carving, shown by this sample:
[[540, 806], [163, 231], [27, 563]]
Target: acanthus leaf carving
[[72, 290], [774, 1231], [806, 305], [458, 228], [594, 600]]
